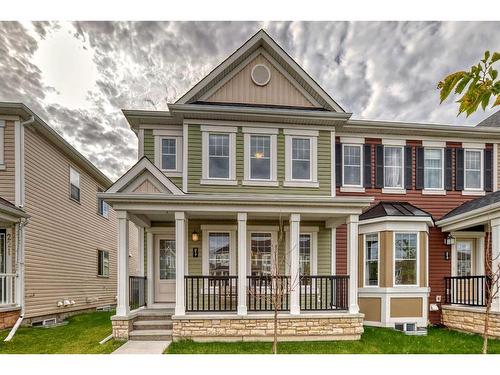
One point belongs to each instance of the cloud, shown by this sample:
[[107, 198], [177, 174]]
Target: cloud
[[376, 70]]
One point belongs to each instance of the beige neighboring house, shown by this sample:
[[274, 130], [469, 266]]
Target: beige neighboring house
[[57, 239]]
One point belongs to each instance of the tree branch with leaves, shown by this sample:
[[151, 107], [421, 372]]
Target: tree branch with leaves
[[476, 87]]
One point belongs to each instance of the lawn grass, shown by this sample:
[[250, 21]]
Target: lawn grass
[[373, 341], [80, 336]]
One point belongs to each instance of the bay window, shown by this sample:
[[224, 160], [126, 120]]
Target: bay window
[[393, 167], [371, 259], [405, 258], [433, 168], [352, 155], [473, 169]]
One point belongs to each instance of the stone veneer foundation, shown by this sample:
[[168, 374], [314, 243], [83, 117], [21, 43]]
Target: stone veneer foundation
[[8, 318], [122, 326], [470, 319], [306, 327]]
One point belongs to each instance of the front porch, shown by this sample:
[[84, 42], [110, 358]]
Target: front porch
[[225, 270]]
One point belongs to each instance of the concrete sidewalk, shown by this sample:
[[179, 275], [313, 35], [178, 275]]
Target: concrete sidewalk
[[142, 347]]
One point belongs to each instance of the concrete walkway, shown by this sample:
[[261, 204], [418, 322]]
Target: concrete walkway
[[142, 347]]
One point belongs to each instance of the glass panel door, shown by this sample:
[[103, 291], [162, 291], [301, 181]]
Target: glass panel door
[[3, 252], [464, 258], [261, 254], [167, 259]]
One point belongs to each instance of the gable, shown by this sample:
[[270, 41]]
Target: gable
[[147, 187], [281, 90]]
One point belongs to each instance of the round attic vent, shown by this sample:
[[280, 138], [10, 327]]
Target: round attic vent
[[261, 75]]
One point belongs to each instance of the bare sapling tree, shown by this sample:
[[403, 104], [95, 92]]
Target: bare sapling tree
[[492, 285], [275, 288]]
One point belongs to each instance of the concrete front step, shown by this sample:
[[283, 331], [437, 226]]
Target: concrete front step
[[151, 335], [155, 315], [152, 324]]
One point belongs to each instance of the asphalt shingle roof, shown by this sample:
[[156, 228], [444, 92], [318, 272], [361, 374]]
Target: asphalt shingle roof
[[474, 204], [492, 121]]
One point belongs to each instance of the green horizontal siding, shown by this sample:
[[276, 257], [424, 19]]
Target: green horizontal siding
[[195, 167]]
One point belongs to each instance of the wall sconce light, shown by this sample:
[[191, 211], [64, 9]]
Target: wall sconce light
[[449, 240], [195, 236], [446, 255]]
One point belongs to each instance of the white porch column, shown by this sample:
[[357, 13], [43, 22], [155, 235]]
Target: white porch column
[[242, 263], [352, 261], [140, 252], [150, 264], [180, 251], [123, 307], [495, 257], [294, 264]]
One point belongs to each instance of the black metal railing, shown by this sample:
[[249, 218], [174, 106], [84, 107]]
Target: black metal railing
[[264, 292], [211, 293], [466, 290], [137, 291], [324, 293]]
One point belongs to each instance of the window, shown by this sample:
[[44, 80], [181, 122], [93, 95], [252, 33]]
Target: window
[[260, 157], [260, 254], [305, 255], [167, 259], [352, 165], [218, 156], [405, 258], [2, 143], [102, 206], [301, 158], [393, 167], [464, 258], [169, 154], [433, 168], [102, 263], [74, 184], [473, 170], [371, 259], [218, 253]]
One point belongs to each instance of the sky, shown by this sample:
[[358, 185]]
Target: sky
[[78, 76]]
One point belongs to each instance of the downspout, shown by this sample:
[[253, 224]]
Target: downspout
[[20, 229]]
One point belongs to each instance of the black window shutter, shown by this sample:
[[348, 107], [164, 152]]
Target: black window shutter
[[448, 169], [459, 173], [419, 183], [488, 169], [367, 167], [338, 164], [408, 167], [379, 176]]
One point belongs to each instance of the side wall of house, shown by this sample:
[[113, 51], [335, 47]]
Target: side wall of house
[[7, 172]]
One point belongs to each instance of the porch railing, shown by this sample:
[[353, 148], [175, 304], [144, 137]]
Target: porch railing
[[7, 281], [466, 290], [211, 293], [137, 291], [263, 292], [319, 293]]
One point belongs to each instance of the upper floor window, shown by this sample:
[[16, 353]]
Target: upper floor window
[[102, 206], [301, 158], [352, 165], [219, 154], [433, 168], [168, 151], [102, 263], [473, 170], [371, 259], [2, 144], [169, 154], [260, 156], [74, 184], [405, 258], [393, 167]]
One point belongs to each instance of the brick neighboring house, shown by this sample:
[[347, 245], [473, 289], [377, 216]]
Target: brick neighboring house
[[57, 239]]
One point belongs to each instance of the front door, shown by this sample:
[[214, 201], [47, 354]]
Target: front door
[[464, 258], [164, 269]]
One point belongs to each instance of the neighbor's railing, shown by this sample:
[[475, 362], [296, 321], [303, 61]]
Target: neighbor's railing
[[264, 291], [318, 293], [137, 291], [7, 281], [211, 293], [466, 290]]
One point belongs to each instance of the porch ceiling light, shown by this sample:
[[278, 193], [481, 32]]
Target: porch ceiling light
[[449, 240], [195, 236]]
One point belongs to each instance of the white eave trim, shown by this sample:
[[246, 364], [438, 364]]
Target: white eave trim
[[480, 214]]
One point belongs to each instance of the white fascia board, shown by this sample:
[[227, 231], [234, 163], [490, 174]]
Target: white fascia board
[[434, 144], [301, 132]]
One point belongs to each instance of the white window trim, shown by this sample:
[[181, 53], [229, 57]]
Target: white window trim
[[394, 261], [274, 243], [79, 184], [205, 232], [177, 172], [481, 171], [273, 180], [364, 261], [396, 189], [440, 190], [2, 144], [313, 231], [206, 179], [313, 181], [361, 155]]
